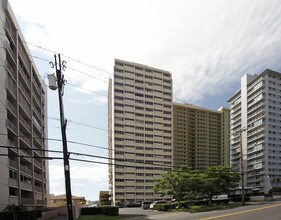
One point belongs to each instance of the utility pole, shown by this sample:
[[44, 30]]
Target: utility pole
[[63, 121]]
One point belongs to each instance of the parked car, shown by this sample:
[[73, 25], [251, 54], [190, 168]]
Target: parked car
[[133, 204], [146, 204], [157, 202], [220, 199]]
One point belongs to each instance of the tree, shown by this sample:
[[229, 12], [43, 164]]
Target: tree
[[179, 184], [186, 182], [217, 180], [276, 180]]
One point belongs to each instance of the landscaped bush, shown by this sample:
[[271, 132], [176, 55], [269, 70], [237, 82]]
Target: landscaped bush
[[90, 211], [21, 215], [106, 210], [110, 210], [162, 207]]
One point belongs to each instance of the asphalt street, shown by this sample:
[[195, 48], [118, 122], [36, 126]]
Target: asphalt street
[[252, 211]]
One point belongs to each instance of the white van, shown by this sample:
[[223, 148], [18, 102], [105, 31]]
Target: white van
[[220, 198]]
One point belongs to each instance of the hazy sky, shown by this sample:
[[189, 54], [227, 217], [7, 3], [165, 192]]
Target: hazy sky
[[206, 45]]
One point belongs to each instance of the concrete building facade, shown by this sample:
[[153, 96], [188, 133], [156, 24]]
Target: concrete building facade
[[140, 131], [200, 136], [23, 125], [256, 129]]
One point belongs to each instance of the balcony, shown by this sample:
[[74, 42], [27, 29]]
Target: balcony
[[25, 170], [24, 76], [38, 189], [39, 202], [11, 107], [25, 139], [25, 123], [13, 163], [11, 70], [37, 176], [36, 111], [10, 125], [13, 182], [26, 201], [25, 92], [26, 185], [37, 163], [11, 51], [24, 105], [26, 155], [14, 200], [11, 86]]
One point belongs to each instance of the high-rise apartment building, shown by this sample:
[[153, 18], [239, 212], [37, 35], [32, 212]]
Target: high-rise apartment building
[[140, 131], [23, 125], [200, 136], [256, 129]]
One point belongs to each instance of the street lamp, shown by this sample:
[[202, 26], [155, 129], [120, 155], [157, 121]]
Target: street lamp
[[57, 82]]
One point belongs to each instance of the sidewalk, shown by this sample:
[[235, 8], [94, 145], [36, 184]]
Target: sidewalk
[[60, 218]]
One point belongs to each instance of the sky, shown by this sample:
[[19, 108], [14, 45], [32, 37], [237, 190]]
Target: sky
[[206, 45]]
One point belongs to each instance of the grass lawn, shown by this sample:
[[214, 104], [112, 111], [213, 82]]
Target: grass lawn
[[99, 217]]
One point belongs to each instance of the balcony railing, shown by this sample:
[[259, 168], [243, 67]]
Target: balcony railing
[[38, 176], [11, 86], [14, 200], [11, 107], [26, 185], [26, 155], [38, 189], [25, 139], [11, 126], [11, 70], [25, 123], [10, 50], [13, 163], [26, 170], [26, 201], [37, 163], [13, 182]]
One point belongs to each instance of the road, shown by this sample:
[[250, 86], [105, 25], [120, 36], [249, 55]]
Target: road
[[259, 211]]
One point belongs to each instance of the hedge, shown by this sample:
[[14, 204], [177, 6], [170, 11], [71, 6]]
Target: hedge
[[21, 215], [107, 210], [162, 207]]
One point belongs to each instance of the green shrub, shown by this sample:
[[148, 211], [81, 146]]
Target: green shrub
[[20, 215], [90, 211], [106, 210], [110, 210], [162, 207]]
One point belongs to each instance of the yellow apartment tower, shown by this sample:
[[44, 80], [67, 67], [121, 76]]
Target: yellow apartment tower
[[200, 136]]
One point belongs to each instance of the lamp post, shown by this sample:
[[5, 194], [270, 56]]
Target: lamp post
[[53, 85]]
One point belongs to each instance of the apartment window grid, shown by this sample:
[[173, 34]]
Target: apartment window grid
[[25, 118], [146, 97]]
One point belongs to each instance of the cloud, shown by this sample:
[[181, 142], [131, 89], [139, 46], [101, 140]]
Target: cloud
[[81, 174], [207, 45]]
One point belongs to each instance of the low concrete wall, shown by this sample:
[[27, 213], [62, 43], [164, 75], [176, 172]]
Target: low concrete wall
[[49, 215], [256, 198]]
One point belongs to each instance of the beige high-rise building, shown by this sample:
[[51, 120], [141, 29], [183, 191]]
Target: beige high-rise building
[[23, 125], [200, 136], [140, 131]]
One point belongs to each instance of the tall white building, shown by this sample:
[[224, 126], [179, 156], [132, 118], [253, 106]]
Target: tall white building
[[23, 125], [255, 123], [140, 131]]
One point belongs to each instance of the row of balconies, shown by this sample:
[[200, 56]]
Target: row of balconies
[[25, 201]]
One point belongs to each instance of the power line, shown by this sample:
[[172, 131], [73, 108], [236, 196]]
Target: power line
[[78, 123], [81, 62]]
